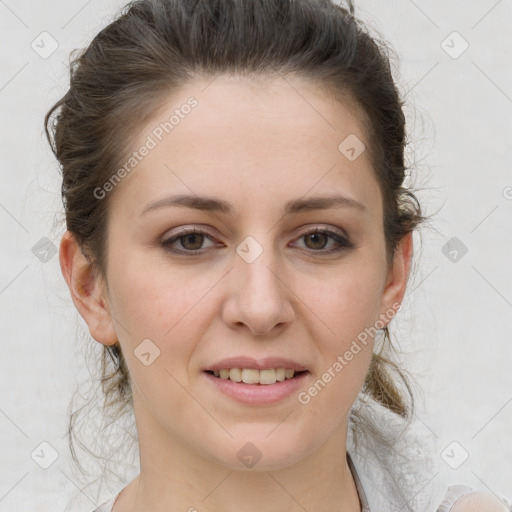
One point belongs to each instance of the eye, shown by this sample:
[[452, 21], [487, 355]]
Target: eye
[[317, 239], [190, 239]]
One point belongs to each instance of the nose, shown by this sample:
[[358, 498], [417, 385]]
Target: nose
[[259, 297]]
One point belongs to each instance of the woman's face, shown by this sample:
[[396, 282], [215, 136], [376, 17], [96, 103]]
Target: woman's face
[[259, 164]]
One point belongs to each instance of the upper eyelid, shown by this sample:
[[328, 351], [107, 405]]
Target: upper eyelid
[[204, 231]]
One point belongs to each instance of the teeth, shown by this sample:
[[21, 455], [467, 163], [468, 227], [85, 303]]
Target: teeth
[[281, 374], [235, 374], [250, 376]]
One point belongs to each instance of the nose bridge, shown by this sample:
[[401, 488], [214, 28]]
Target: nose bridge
[[260, 297], [255, 266]]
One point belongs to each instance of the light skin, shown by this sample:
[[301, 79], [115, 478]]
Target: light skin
[[256, 146]]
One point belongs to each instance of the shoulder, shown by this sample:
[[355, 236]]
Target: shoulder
[[480, 501]]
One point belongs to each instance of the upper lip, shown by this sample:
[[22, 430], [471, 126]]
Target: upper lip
[[256, 364]]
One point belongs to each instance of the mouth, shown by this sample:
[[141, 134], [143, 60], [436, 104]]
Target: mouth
[[257, 387], [265, 377]]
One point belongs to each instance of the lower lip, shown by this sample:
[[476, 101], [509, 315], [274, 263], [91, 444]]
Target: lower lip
[[258, 394]]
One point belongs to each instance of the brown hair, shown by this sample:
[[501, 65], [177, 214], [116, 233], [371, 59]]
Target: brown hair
[[155, 46]]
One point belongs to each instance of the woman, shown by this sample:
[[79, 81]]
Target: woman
[[239, 238]]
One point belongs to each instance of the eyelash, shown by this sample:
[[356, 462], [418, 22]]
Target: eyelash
[[343, 242]]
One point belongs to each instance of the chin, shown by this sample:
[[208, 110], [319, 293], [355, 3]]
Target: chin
[[257, 453]]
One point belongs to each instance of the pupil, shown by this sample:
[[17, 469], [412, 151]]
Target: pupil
[[193, 237], [312, 236]]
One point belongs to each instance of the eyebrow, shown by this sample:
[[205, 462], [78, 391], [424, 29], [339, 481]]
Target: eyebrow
[[213, 204]]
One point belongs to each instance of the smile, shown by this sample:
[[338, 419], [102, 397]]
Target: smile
[[253, 376]]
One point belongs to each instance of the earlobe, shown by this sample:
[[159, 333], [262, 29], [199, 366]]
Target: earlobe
[[396, 280], [87, 290]]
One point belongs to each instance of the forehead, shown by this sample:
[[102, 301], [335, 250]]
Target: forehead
[[271, 139]]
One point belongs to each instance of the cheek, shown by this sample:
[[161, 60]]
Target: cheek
[[348, 307], [158, 305], [153, 297], [169, 305], [348, 301]]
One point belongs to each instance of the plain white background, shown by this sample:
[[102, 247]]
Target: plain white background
[[457, 317]]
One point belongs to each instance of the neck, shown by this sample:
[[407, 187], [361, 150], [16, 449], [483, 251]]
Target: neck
[[175, 477]]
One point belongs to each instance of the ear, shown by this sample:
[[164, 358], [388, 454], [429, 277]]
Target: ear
[[396, 280], [88, 290]]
